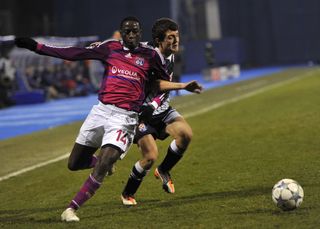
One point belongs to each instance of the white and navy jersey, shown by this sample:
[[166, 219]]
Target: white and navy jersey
[[162, 100]]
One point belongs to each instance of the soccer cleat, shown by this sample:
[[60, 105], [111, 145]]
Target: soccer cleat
[[128, 200], [165, 177], [69, 215]]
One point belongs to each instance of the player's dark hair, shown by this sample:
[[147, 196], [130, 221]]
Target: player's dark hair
[[161, 26], [129, 18]]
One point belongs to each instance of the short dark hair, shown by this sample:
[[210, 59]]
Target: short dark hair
[[161, 26], [129, 18]]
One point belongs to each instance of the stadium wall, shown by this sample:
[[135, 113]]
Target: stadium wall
[[226, 51], [269, 31], [274, 32], [102, 17]]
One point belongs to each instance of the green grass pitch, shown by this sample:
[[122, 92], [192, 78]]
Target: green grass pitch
[[240, 149]]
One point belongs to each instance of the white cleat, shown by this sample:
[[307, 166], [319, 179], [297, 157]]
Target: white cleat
[[69, 215], [128, 200]]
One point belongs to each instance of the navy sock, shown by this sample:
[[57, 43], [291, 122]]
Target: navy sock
[[136, 176], [174, 154]]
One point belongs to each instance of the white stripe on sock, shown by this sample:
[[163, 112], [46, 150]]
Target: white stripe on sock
[[75, 203], [138, 167], [174, 147], [94, 180]]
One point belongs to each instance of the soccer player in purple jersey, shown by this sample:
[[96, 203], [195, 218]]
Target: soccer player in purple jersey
[[164, 121], [111, 123]]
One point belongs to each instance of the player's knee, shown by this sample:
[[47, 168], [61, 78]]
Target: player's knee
[[72, 165], [185, 138], [101, 169], [104, 166], [107, 158], [149, 162], [107, 162]]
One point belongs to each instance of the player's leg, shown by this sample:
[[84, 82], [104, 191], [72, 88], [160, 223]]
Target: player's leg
[[141, 168], [180, 130], [109, 154], [82, 157], [149, 151], [115, 135], [88, 141]]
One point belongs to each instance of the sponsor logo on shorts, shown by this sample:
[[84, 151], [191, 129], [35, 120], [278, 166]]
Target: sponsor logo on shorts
[[142, 127]]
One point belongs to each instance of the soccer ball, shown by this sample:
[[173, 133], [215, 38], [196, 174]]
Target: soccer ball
[[287, 194]]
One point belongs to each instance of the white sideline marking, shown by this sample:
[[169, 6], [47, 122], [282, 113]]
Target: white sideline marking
[[27, 169], [201, 111]]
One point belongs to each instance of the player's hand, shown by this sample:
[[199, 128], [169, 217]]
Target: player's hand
[[146, 113], [193, 86], [94, 44], [26, 42]]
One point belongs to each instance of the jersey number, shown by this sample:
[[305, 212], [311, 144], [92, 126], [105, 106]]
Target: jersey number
[[122, 136]]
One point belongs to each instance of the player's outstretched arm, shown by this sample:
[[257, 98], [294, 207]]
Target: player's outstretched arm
[[192, 86], [26, 42], [67, 53]]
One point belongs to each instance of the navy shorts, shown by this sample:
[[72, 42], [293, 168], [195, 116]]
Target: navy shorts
[[157, 126]]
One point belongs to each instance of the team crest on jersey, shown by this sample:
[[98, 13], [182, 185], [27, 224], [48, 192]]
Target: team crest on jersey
[[139, 61], [142, 127]]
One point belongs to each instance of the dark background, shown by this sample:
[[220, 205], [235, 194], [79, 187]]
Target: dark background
[[254, 32], [274, 31], [77, 17]]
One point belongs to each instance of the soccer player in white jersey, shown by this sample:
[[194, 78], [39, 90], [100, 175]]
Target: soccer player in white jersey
[[163, 122], [111, 124]]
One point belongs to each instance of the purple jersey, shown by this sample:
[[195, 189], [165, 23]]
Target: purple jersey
[[126, 72]]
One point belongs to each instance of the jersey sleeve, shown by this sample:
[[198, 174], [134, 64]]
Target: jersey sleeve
[[75, 53], [159, 72], [158, 100], [159, 68]]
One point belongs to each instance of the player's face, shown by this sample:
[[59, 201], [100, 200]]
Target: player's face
[[170, 44], [131, 34]]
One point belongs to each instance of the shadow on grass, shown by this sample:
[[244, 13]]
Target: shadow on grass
[[277, 212], [214, 195], [22, 216], [38, 216], [115, 208]]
